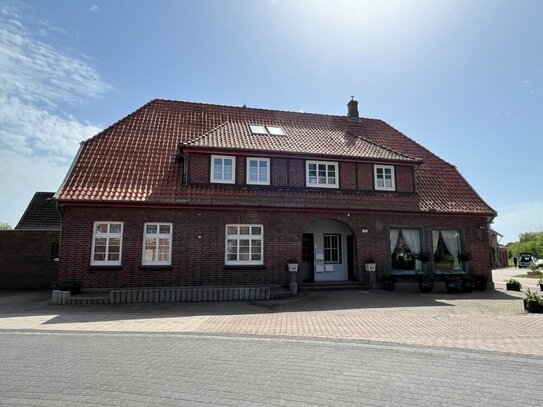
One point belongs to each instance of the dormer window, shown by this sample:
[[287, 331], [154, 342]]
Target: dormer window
[[223, 169], [266, 130], [322, 174], [384, 178]]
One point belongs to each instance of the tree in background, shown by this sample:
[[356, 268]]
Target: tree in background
[[529, 242], [5, 226]]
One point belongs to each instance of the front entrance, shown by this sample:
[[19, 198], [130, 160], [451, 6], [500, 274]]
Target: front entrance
[[332, 256]]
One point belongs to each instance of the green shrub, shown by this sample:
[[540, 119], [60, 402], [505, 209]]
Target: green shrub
[[74, 287]]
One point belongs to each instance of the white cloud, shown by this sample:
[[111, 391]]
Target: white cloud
[[524, 217], [38, 79], [94, 8]]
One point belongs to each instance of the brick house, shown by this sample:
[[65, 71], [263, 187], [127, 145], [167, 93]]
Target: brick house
[[190, 194]]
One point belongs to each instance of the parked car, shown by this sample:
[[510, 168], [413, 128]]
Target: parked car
[[539, 262], [525, 259]]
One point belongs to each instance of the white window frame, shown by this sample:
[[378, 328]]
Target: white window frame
[[258, 160], [392, 177], [108, 235], [317, 163], [212, 169], [157, 236], [239, 237]]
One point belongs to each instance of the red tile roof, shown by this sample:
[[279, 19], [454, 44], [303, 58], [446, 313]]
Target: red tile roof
[[135, 159], [299, 138]]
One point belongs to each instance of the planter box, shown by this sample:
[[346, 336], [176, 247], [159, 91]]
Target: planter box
[[426, 287], [388, 285], [292, 267], [370, 266], [512, 287], [533, 306]]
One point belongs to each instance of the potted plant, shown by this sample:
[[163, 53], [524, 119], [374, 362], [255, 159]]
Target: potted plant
[[292, 265], [480, 282], [452, 285], [388, 282], [426, 283], [513, 285], [467, 285], [369, 264], [533, 302], [74, 287]]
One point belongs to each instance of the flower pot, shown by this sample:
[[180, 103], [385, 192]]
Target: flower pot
[[467, 286], [512, 287], [533, 306], [370, 266], [292, 267], [426, 287], [452, 287], [480, 285], [388, 285]]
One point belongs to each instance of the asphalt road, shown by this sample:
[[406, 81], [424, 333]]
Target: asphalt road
[[127, 369]]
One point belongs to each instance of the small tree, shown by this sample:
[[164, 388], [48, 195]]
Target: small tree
[[5, 226]]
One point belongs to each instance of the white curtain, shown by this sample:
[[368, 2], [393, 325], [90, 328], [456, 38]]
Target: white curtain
[[411, 237], [450, 237], [394, 233], [435, 239]]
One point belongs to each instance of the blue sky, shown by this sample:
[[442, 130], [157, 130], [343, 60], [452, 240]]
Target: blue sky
[[462, 78]]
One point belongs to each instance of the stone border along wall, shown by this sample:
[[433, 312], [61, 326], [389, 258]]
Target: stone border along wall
[[175, 294]]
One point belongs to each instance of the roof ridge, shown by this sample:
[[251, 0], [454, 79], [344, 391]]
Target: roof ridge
[[258, 108]]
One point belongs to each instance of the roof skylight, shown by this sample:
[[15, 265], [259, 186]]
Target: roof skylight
[[265, 130], [275, 131], [258, 129]]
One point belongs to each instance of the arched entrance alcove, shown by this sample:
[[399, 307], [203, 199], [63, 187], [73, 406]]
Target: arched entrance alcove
[[328, 251]]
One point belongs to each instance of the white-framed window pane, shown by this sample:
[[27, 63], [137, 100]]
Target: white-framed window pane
[[164, 229], [151, 228], [232, 250], [244, 244], [163, 249], [322, 174], [150, 249], [106, 243]]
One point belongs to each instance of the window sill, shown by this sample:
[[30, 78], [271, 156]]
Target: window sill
[[104, 267], [244, 267], [150, 267]]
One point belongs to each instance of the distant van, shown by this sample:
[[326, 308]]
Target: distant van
[[525, 259]]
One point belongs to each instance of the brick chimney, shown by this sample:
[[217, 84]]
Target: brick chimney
[[352, 109]]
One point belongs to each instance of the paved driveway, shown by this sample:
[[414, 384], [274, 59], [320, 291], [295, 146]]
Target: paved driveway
[[491, 320]]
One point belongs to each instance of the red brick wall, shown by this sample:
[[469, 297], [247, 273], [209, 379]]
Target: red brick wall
[[347, 173], [365, 177], [198, 243], [279, 172], [199, 168], [296, 173], [25, 259], [404, 178], [291, 172]]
